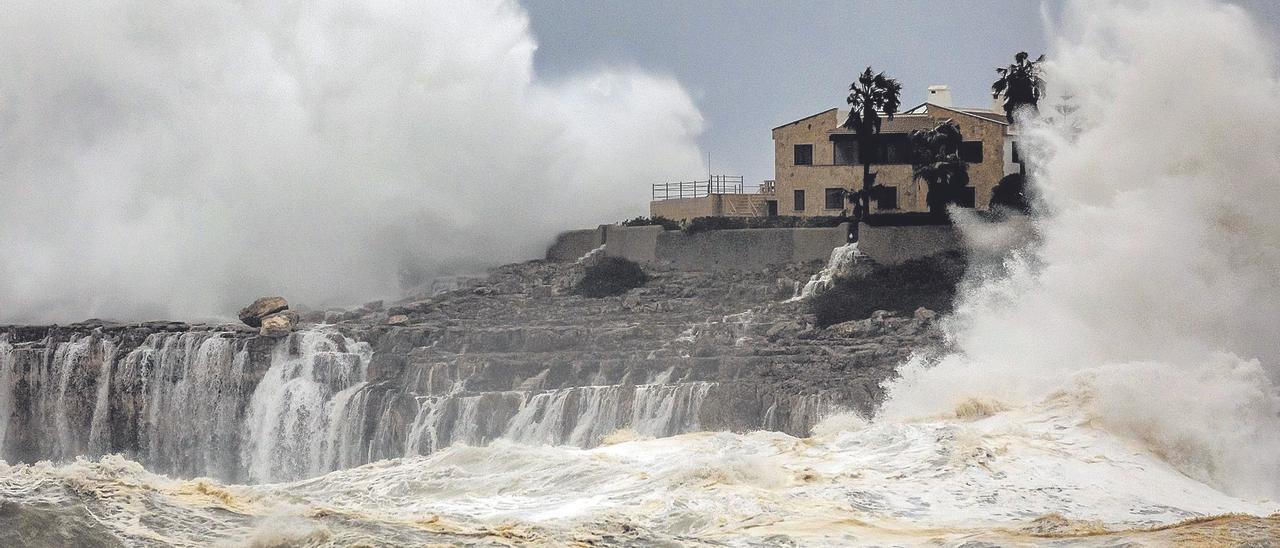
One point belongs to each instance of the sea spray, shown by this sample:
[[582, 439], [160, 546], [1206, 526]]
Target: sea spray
[[841, 261], [161, 161], [1152, 293]]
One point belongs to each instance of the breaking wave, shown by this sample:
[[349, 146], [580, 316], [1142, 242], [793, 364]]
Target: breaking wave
[[1114, 383], [1012, 477], [1152, 293]]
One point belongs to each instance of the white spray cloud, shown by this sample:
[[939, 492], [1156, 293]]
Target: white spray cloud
[[1155, 291], [162, 159]]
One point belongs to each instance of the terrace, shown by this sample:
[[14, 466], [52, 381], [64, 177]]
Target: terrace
[[718, 195]]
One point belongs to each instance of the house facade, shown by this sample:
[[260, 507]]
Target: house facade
[[815, 159]]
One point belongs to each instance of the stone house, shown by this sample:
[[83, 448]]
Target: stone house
[[815, 158]]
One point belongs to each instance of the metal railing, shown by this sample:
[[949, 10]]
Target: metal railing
[[717, 184]]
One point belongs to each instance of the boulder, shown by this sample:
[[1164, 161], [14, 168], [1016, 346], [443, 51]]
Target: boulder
[[253, 314], [854, 328], [398, 319], [925, 316], [278, 324]]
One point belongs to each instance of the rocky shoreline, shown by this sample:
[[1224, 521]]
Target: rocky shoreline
[[510, 355]]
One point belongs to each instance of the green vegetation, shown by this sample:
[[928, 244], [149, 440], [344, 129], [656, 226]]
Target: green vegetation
[[929, 282], [611, 276], [1020, 84], [869, 97], [665, 223], [703, 224], [936, 161]]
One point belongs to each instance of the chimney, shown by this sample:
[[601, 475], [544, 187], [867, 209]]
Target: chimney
[[939, 95]]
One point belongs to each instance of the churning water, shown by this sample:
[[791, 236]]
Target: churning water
[[1116, 383]]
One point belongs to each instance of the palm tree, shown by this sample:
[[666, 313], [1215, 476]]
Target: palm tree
[[872, 95], [1022, 87], [1020, 84], [936, 161]]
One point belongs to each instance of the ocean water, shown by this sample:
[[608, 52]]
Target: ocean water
[[1111, 384], [1010, 477]]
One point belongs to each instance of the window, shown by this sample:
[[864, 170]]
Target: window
[[895, 151], [1014, 147], [885, 148], [804, 155], [887, 198], [971, 151], [835, 198], [846, 153], [799, 196], [965, 197]]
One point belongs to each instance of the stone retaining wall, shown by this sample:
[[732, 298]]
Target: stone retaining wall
[[890, 245], [571, 245], [982, 240], [742, 249]]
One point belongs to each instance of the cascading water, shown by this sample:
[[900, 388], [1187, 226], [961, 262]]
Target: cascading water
[[6, 381], [1114, 385], [841, 262], [210, 404], [299, 419], [190, 389]]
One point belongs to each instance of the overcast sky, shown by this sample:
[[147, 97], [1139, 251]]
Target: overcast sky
[[751, 66]]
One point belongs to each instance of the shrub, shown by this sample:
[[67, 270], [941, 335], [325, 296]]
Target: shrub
[[611, 276], [665, 223], [703, 224], [929, 282], [906, 219], [1011, 193]]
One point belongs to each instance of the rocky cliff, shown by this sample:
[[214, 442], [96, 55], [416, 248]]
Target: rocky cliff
[[511, 355]]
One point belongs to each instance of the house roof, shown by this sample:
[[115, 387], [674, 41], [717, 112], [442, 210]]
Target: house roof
[[985, 114], [910, 119], [990, 115], [902, 123], [803, 119]]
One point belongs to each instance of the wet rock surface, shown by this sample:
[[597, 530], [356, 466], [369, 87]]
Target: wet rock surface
[[278, 324], [511, 355], [256, 312]]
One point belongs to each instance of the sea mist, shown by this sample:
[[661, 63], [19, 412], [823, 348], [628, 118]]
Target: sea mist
[[178, 160], [1154, 297]]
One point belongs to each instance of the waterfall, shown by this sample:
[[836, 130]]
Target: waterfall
[[252, 409], [190, 402], [842, 259], [306, 393], [6, 389]]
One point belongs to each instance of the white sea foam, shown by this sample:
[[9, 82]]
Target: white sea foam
[[1118, 375], [949, 479], [1154, 284]]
